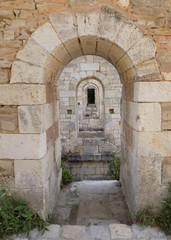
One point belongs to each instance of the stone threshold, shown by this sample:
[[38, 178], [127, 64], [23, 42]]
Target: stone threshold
[[102, 232]]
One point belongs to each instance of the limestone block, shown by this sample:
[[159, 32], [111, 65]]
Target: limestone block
[[152, 92], [123, 3], [120, 231], [28, 173], [103, 47], [6, 167], [4, 75], [87, 23], [35, 119], [124, 64], [143, 50], [48, 164], [166, 116], [88, 45], [143, 116], [28, 5], [128, 35], [115, 54], [63, 24], [37, 55], [15, 94], [166, 171], [52, 232], [151, 144], [73, 232], [22, 146], [23, 72], [147, 67], [73, 47], [9, 35], [42, 36], [112, 21], [89, 67]]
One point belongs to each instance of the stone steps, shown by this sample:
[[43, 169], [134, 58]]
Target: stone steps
[[103, 232]]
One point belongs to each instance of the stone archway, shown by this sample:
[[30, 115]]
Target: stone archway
[[37, 146]]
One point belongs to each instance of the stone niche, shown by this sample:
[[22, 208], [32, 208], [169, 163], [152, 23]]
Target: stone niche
[[89, 94]]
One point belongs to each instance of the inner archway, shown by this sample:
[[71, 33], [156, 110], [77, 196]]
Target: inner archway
[[33, 75], [90, 128]]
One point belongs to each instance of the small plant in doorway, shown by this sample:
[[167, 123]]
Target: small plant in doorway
[[17, 217], [157, 218], [66, 175], [114, 168]]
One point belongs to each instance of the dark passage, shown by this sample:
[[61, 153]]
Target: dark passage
[[91, 96]]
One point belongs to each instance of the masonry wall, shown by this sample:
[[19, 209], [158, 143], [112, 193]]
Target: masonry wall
[[149, 96]]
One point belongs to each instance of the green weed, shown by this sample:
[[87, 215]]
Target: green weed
[[114, 168], [66, 175], [17, 217], [160, 218]]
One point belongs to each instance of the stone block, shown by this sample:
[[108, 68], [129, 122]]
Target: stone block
[[42, 36], [128, 36], [151, 144], [143, 50], [112, 21], [22, 94], [166, 116], [35, 119], [123, 3], [152, 92], [63, 24], [42, 57], [53, 231], [22, 146], [88, 45], [120, 231], [146, 68], [7, 168], [166, 170], [23, 72], [8, 119], [4, 75], [87, 23], [143, 116], [28, 174], [73, 232], [89, 66]]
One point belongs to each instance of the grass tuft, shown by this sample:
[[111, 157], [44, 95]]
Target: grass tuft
[[17, 217]]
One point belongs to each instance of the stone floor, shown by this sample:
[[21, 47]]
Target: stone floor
[[93, 210], [92, 203]]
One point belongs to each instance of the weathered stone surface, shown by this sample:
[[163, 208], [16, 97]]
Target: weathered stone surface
[[6, 167], [22, 146], [143, 50], [87, 23], [123, 3], [35, 119], [63, 24], [23, 72], [152, 91], [28, 173], [4, 75], [151, 144], [166, 116], [8, 119], [120, 231], [42, 57], [52, 232], [73, 232], [143, 116], [14, 94]]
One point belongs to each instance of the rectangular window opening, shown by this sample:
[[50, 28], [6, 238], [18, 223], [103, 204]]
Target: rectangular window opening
[[90, 96]]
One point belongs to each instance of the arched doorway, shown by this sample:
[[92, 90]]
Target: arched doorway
[[50, 48]]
